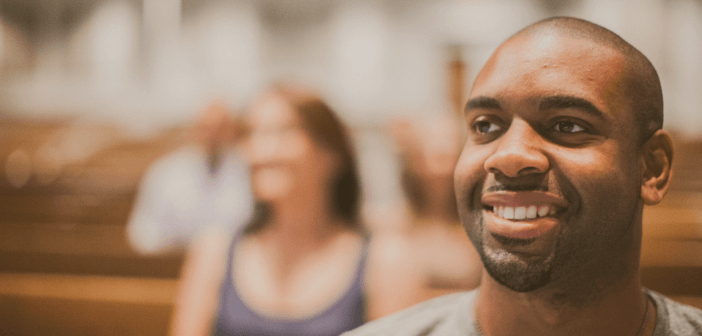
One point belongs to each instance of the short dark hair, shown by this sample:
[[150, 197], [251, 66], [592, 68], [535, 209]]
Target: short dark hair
[[326, 130], [643, 86]]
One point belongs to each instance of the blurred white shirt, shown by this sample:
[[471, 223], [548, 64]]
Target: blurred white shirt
[[179, 198]]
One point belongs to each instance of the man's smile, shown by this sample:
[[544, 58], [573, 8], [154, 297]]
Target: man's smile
[[522, 215]]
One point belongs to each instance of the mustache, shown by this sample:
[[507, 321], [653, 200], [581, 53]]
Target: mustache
[[517, 187]]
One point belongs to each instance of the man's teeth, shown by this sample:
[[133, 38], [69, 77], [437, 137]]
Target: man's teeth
[[509, 213], [543, 211], [523, 212], [531, 212]]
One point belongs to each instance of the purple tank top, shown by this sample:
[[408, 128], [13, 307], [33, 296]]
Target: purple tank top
[[235, 318]]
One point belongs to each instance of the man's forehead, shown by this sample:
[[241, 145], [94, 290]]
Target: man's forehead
[[530, 46], [552, 64], [549, 50]]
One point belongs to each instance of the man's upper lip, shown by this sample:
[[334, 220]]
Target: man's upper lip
[[523, 198]]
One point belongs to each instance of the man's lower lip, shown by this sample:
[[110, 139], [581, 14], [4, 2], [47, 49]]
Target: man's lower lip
[[523, 229]]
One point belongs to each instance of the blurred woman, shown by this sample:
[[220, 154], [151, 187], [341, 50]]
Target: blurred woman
[[297, 268], [430, 255]]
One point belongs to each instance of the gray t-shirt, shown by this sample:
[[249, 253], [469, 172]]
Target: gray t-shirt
[[452, 315]]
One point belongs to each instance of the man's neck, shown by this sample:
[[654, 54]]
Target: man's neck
[[618, 310]]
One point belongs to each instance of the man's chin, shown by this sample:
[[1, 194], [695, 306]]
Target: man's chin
[[518, 273]]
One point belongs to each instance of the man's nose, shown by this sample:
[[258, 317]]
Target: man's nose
[[518, 152]]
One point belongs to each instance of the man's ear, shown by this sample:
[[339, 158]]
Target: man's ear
[[656, 162]]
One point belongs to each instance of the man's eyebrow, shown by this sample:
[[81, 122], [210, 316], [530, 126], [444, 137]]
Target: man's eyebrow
[[483, 102], [564, 102]]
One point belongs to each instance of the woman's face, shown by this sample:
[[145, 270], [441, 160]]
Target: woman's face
[[284, 158]]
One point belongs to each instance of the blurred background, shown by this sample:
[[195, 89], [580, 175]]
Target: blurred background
[[94, 91]]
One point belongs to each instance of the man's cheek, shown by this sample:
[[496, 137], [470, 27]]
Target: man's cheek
[[462, 196], [464, 186], [607, 186], [459, 180], [469, 169]]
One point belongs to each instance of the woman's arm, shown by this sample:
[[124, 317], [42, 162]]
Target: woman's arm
[[198, 290]]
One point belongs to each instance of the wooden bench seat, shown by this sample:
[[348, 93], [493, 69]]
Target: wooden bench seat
[[85, 249], [41, 304]]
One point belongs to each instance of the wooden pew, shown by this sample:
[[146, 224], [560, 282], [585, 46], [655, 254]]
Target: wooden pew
[[671, 253], [66, 267], [41, 304]]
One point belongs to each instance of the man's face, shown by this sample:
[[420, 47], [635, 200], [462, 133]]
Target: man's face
[[548, 181]]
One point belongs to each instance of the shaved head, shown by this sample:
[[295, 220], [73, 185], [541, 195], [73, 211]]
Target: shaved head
[[566, 108], [642, 87]]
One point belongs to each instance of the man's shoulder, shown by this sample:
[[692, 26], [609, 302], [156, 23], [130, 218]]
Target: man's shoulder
[[446, 315], [675, 318]]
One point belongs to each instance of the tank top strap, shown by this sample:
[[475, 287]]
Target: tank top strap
[[235, 318]]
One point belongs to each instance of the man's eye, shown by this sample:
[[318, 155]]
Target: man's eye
[[485, 127], [568, 127]]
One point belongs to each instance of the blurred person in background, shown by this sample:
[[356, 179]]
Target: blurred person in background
[[430, 254], [298, 267], [204, 183]]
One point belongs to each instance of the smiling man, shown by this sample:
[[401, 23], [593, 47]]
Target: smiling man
[[564, 148]]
